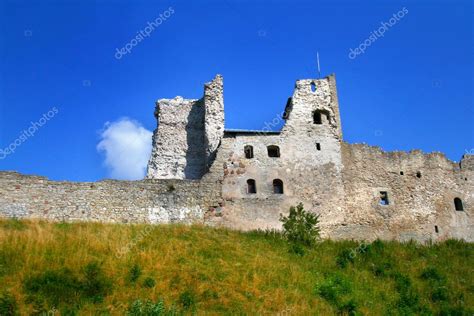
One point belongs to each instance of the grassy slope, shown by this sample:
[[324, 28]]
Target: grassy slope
[[221, 271]]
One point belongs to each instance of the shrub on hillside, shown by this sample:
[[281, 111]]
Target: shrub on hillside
[[344, 257], [134, 273], [8, 305], [62, 287], [149, 282], [95, 284], [53, 286], [187, 299], [432, 274], [336, 290], [300, 226]]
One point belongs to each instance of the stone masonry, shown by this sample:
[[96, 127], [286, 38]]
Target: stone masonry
[[200, 173]]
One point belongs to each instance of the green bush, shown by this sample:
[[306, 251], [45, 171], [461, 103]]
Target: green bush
[[149, 282], [187, 299], [8, 305], [134, 273], [335, 286], [300, 226], [440, 294], [347, 308], [54, 286], [431, 274], [95, 284], [382, 269], [344, 257], [335, 290], [63, 287]]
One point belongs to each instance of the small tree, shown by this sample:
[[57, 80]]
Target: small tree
[[300, 227]]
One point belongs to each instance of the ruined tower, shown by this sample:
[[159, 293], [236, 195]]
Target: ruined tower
[[269, 171], [188, 134], [312, 122]]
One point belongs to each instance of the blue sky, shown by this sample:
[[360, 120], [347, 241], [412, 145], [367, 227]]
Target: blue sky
[[410, 89]]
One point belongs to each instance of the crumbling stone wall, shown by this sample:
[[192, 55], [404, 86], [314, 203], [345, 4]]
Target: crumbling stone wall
[[188, 134], [178, 142], [147, 201], [198, 173], [421, 190], [213, 117]]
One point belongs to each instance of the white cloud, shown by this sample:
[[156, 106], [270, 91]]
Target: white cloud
[[127, 148]]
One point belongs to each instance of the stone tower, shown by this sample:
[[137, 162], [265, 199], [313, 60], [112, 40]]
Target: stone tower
[[313, 124], [300, 163], [188, 134]]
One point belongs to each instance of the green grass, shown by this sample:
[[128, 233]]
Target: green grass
[[99, 269]]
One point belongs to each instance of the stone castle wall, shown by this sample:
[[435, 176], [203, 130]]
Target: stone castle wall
[[147, 201], [421, 191], [199, 173]]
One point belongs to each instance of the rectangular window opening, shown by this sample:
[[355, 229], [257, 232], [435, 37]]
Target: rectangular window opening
[[318, 146], [383, 198]]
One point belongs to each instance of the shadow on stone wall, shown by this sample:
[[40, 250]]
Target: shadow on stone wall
[[195, 155]]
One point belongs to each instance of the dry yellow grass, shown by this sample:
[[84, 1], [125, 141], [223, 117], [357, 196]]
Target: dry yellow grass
[[227, 272]]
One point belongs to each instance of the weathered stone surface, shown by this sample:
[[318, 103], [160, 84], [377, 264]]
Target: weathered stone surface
[[188, 134], [213, 118], [145, 201], [199, 173], [178, 142]]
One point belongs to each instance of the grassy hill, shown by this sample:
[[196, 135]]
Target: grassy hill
[[99, 269]]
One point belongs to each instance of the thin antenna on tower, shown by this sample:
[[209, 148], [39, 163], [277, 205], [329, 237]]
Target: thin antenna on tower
[[319, 68]]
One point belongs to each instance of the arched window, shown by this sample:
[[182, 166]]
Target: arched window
[[458, 204], [248, 150], [313, 87], [273, 151], [251, 186], [277, 186]]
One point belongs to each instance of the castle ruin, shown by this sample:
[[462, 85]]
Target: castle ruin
[[244, 179]]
